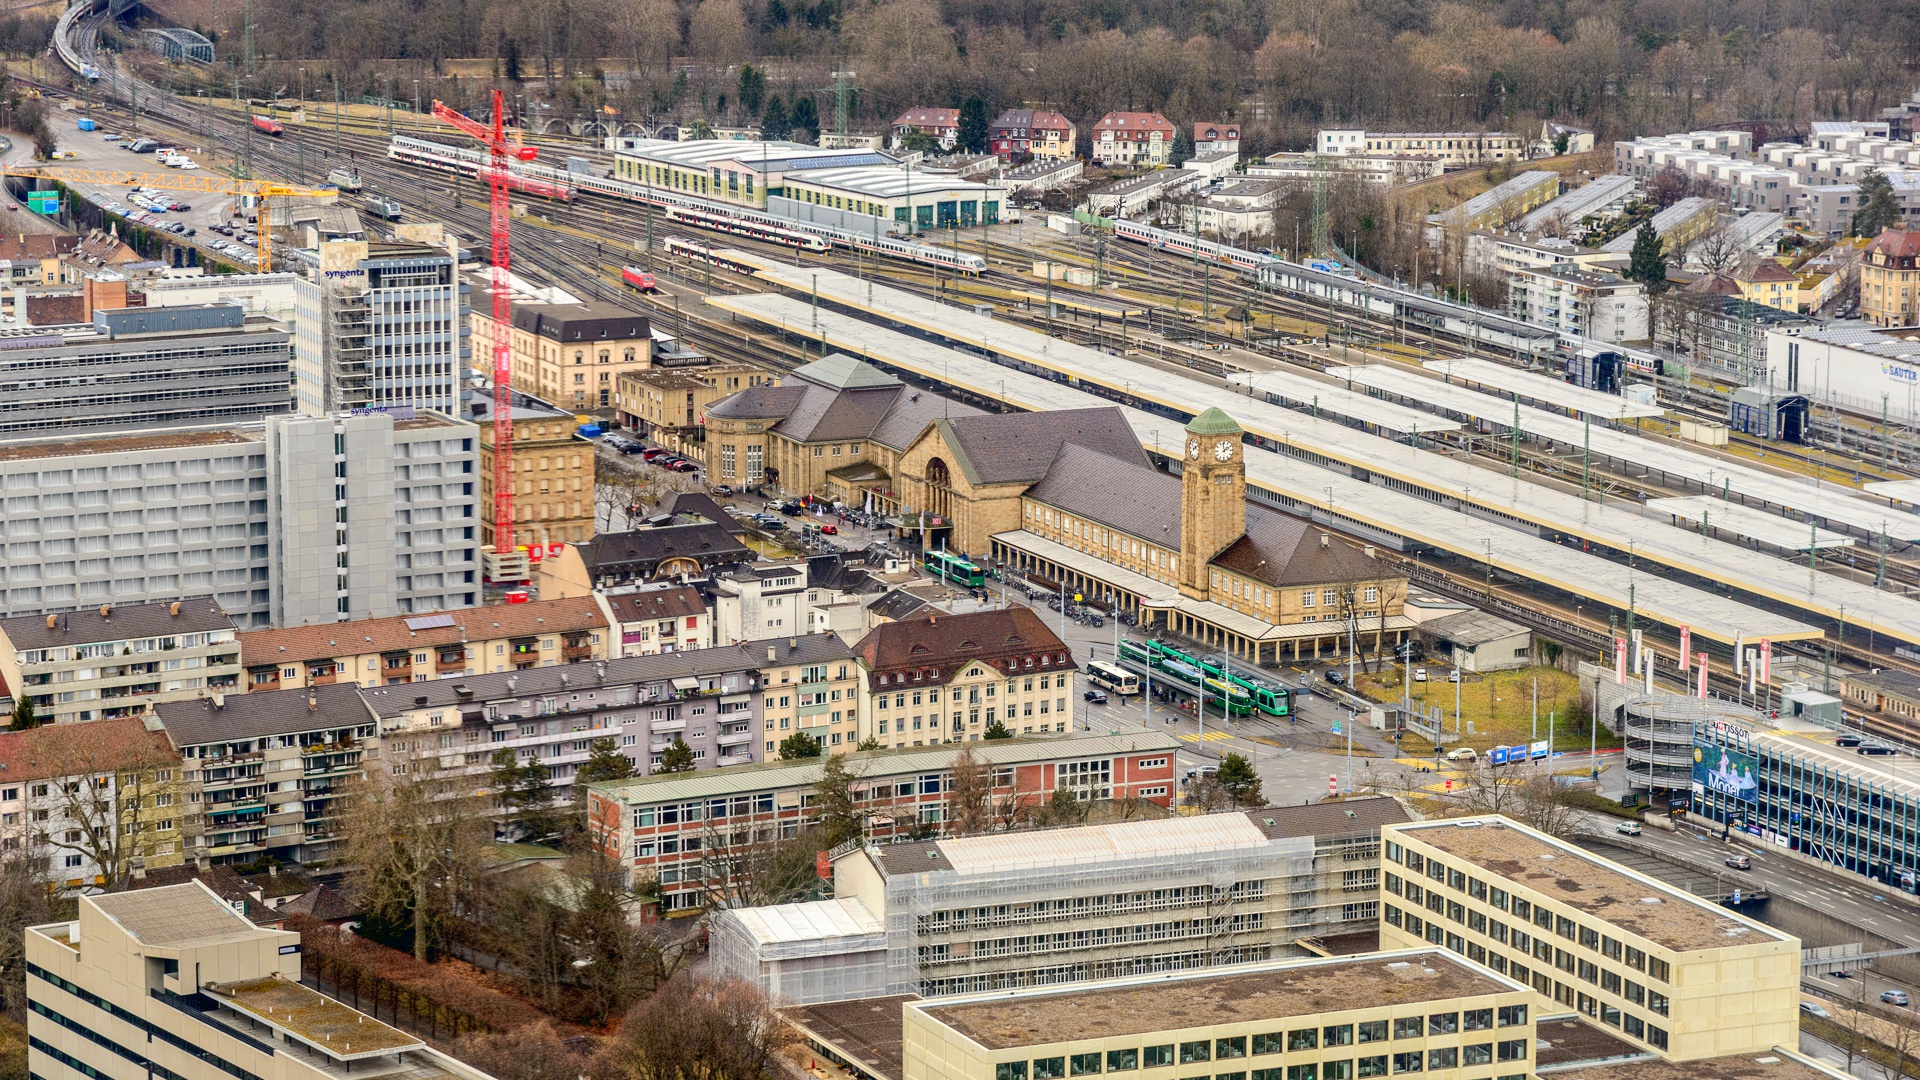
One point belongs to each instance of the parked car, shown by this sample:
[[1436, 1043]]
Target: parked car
[[1419, 674], [1334, 677], [723, 489], [1815, 1009], [1628, 828], [1847, 740], [655, 452], [830, 529], [1739, 862], [684, 466], [1895, 997], [1097, 697], [1465, 753]]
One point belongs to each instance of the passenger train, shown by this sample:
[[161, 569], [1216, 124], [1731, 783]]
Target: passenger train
[[681, 247], [738, 220]]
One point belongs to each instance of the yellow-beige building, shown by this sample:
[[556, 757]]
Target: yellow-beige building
[[1666, 970], [172, 982], [1890, 279], [553, 472], [570, 354], [810, 684], [668, 406], [949, 678], [1413, 1011]]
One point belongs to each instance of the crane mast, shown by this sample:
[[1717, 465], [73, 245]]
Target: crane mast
[[499, 151]]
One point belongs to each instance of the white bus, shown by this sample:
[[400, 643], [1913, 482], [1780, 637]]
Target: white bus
[[1113, 678]]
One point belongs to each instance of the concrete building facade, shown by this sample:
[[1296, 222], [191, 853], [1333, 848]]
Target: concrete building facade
[[1454, 149], [1670, 972], [1583, 303], [378, 325], [140, 368]]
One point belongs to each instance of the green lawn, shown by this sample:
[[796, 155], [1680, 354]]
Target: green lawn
[[1498, 707]]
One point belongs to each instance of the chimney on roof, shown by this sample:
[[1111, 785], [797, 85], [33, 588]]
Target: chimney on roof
[[174, 608], [138, 866], [106, 610], [313, 700], [219, 701], [1323, 540], [52, 620]]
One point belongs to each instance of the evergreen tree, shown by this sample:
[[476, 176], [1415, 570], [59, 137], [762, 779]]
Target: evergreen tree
[[753, 88], [973, 125], [677, 757], [1877, 208], [24, 716], [1236, 775], [806, 119], [773, 121], [1182, 151], [605, 762], [871, 742], [523, 792], [799, 745], [839, 815], [997, 730], [1647, 263]]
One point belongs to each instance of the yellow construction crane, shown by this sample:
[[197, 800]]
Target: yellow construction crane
[[212, 185]]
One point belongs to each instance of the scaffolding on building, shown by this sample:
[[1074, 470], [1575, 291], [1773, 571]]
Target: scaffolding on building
[[802, 954]]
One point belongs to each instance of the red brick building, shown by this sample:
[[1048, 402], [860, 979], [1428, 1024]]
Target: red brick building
[[683, 828]]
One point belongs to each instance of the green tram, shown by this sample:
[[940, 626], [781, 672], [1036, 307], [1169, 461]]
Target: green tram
[[1263, 696]]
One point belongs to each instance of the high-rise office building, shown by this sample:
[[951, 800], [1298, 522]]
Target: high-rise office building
[[377, 325]]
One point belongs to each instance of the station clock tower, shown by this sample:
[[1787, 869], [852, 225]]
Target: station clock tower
[[1213, 496]]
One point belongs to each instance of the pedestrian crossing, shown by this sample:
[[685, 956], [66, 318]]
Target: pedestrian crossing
[[1211, 736]]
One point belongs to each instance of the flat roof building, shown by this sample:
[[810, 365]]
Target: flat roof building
[[378, 325], [141, 368], [174, 982], [1417, 1010], [1671, 972]]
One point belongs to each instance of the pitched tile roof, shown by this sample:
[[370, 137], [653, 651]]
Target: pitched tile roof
[[1281, 550], [924, 118], [675, 603], [757, 403], [1006, 448], [89, 626], [841, 397], [328, 641], [263, 713], [699, 504], [1126, 496], [1896, 243], [323, 903], [1768, 270], [942, 645], [1133, 124], [70, 749]]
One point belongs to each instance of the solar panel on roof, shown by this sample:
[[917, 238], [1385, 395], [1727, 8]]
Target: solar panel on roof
[[429, 622]]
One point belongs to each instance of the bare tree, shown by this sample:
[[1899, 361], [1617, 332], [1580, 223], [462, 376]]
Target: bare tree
[[742, 867], [970, 800], [25, 901], [620, 489], [1901, 1035], [417, 832], [112, 792], [1716, 249], [692, 1028]]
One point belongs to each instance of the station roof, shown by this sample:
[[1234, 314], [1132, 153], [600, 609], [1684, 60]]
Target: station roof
[[1304, 391], [1742, 520], [1668, 457], [1906, 491], [1543, 388], [1424, 521], [886, 181]]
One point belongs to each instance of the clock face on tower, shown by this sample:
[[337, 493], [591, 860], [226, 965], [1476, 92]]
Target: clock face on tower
[[1223, 450], [1193, 449]]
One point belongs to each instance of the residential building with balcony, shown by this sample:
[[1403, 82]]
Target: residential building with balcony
[[1661, 969], [760, 600], [172, 982], [942, 124], [951, 678], [809, 683], [93, 802], [659, 618], [1130, 139], [421, 648], [1454, 149], [706, 697], [666, 829], [1890, 279], [553, 471], [99, 664], [1585, 303], [267, 772]]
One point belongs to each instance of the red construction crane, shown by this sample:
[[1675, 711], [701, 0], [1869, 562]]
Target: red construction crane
[[499, 150]]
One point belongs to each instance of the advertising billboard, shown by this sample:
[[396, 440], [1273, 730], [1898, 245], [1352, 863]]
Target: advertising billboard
[[1724, 771]]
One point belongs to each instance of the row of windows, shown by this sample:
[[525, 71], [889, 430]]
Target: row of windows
[[153, 1031], [1158, 1057], [1522, 909]]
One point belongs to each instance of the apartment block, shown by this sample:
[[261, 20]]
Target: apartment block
[[1454, 149], [1890, 279], [373, 514], [1667, 971], [949, 678], [173, 982], [378, 325], [93, 802], [658, 618], [668, 406], [810, 684], [143, 368], [267, 773], [109, 662], [1407, 1011], [662, 828], [421, 648], [1128, 139], [759, 600], [1584, 303]]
